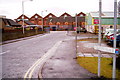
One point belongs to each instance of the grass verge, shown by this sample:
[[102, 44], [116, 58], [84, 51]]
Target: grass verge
[[90, 63]]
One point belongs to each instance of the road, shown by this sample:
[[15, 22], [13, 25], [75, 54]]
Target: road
[[18, 57]]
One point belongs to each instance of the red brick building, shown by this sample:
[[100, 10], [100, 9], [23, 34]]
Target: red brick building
[[47, 20], [81, 19], [63, 22], [36, 19], [66, 21], [19, 20]]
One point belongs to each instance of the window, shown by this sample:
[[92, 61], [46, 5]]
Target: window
[[65, 15], [36, 16], [50, 16], [81, 15]]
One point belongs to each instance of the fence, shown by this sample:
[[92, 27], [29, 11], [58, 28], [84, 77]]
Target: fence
[[17, 33]]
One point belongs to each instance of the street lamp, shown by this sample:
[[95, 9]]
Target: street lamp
[[36, 19], [66, 20], [23, 15], [42, 18], [76, 33]]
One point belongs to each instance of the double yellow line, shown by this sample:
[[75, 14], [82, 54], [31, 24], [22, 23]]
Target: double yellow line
[[41, 61], [28, 74]]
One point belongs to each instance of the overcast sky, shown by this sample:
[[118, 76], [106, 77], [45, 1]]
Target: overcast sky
[[13, 8]]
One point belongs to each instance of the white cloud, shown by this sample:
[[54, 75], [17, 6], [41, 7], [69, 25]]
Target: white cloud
[[13, 8]]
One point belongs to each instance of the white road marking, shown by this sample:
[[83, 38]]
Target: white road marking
[[5, 52]]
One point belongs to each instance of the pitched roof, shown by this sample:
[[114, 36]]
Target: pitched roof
[[25, 17], [81, 13], [49, 15], [11, 22], [28, 22], [36, 16], [104, 14], [65, 14]]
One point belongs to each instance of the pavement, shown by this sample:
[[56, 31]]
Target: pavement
[[64, 65]]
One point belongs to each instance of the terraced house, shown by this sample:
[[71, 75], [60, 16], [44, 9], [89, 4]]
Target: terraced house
[[36, 19], [67, 22], [63, 22], [19, 20]]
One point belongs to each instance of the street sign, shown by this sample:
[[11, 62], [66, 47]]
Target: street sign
[[107, 49], [116, 51], [96, 21], [75, 28]]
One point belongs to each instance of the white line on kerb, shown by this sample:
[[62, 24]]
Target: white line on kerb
[[5, 52]]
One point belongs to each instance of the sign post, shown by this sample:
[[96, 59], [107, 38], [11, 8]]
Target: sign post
[[99, 40], [107, 49], [115, 24]]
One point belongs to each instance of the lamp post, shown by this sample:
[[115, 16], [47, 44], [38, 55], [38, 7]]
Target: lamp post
[[48, 28], [67, 21], [42, 18], [36, 19], [65, 16], [23, 15], [76, 33], [36, 28]]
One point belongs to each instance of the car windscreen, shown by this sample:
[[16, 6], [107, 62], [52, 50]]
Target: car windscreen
[[118, 31]]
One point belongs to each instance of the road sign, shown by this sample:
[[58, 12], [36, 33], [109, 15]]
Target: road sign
[[116, 51], [96, 21], [107, 49]]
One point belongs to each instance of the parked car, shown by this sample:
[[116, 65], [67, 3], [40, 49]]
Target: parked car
[[111, 40], [109, 32], [82, 29]]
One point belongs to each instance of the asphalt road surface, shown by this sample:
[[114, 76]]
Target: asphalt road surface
[[18, 57]]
